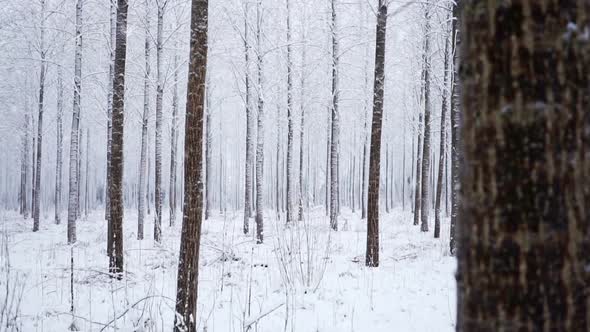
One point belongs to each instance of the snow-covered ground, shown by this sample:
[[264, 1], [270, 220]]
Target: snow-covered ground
[[303, 278]]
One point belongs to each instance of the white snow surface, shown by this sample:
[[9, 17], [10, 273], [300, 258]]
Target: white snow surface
[[303, 278]]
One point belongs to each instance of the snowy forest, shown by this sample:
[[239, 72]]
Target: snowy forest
[[294, 165]]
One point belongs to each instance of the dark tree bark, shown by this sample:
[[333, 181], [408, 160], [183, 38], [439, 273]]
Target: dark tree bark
[[524, 225], [335, 130], [161, 4], [372, 254], [188, 264], [116, 184], [113, 37]]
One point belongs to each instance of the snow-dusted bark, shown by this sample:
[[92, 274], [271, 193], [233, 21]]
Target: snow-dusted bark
[[249, 127], [443, 135], [335, 134], [59, 154], [188, 262], [43, 72], [289, 120], [302, 194], [209, 155], [260, 138], [159, 109], [73, 179], [425, 191], [79, 172], [27, 166], [173, 145], [455, 140], [113, 42], [144, 129], [372, 253], [116, 184]]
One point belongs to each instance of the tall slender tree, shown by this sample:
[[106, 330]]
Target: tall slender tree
[[335, 121], [260, 134], [425, 182], [60, 137], [372, 254], [455, 139], [74, 137], [144, 129], [249, 127], [112, 44], [42, 75], [302, 194], [116, 184], [290, 129], [174, 144], [188, 264], [524, 224], [86, 173]]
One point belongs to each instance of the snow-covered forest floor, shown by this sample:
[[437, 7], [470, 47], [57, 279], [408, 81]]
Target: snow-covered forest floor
[[303, 278]]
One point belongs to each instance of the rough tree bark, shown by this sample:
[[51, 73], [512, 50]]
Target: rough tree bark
[[208, 152], [260, 134], [86, 198], [455, 139], [74, 144], [249, 125], [425, 182], [60, 137], [372, 254], [443, 134], [188, 265], [524, 216], [334, 140], [144, 128], [116, 184]]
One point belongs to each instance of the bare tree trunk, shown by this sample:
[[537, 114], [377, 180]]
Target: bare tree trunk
[[174, 144], [290, 204], [27, 163], [113, 42], [372, 254], [328, 146], [302, 192], [249, 125], [116, 185], [144, 129], [386, 177], [188, 264], [209, 152], [524, 227], [335, 140], [74, 144], [159, 105], [43, 72], [34, 163], [443, 136], [425, 191], [79, 172], [59, 134], [260, 134]]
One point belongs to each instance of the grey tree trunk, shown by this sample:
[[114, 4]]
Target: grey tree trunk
[[28, 130], [249, 126], [43, 72], [335, 141], [524, 226], [174, 144], [290, 194], [79, 172], [260, 134], [425, 191], [59, 134], [443, 135], [188, 264], [208, 153], [74, 144], [86, 198], [116, 184], [144, 129], [159, 105], [372, 253]]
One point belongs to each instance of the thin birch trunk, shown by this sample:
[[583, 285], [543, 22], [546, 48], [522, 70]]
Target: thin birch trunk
[[290, 196], [260, 134], [335, 140], [59, 134], [174, 144], [113, 42], [159, 105], [249, 127], [144, 129]]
